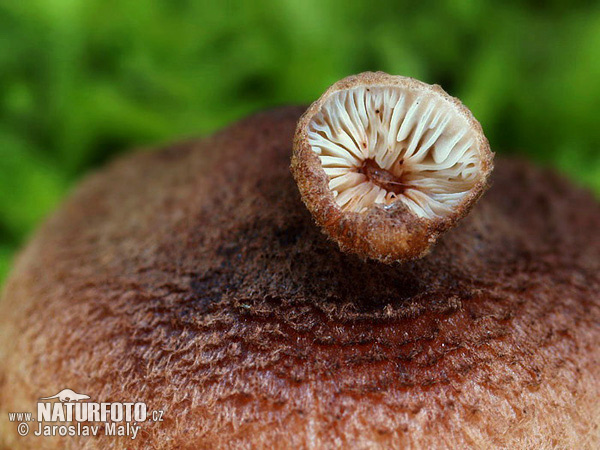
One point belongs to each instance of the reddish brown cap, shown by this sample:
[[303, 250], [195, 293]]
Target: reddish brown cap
[[194, 279]]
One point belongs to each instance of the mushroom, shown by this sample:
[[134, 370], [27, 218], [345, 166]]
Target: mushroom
[[387, 163], [193, 279]]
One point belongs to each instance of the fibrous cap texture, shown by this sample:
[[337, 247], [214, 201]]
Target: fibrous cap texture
[[158, 282], [404, 151]]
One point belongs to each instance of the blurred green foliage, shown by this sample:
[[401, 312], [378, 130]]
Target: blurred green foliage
[[82, 80]]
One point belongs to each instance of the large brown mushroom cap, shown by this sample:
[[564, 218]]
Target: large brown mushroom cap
[[193, 278]]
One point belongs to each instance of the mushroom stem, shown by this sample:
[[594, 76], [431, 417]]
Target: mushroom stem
[[386, 164], [391, 182]]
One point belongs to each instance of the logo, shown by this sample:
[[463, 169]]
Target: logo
[[69, 413], [67, 395]]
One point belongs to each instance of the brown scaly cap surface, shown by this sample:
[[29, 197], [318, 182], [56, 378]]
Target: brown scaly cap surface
[[193, 278], [386, 164]]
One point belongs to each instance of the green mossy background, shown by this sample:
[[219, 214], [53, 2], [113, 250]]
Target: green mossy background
[[84, 80]]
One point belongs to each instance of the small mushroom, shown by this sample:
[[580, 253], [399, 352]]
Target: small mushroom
[[387, 163]]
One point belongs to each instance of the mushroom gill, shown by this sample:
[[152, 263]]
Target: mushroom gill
[[387, 144]]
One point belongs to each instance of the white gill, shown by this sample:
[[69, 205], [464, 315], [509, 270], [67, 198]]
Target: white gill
[[418, 137]]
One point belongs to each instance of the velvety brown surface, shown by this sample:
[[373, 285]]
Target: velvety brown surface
[[194, 279]]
